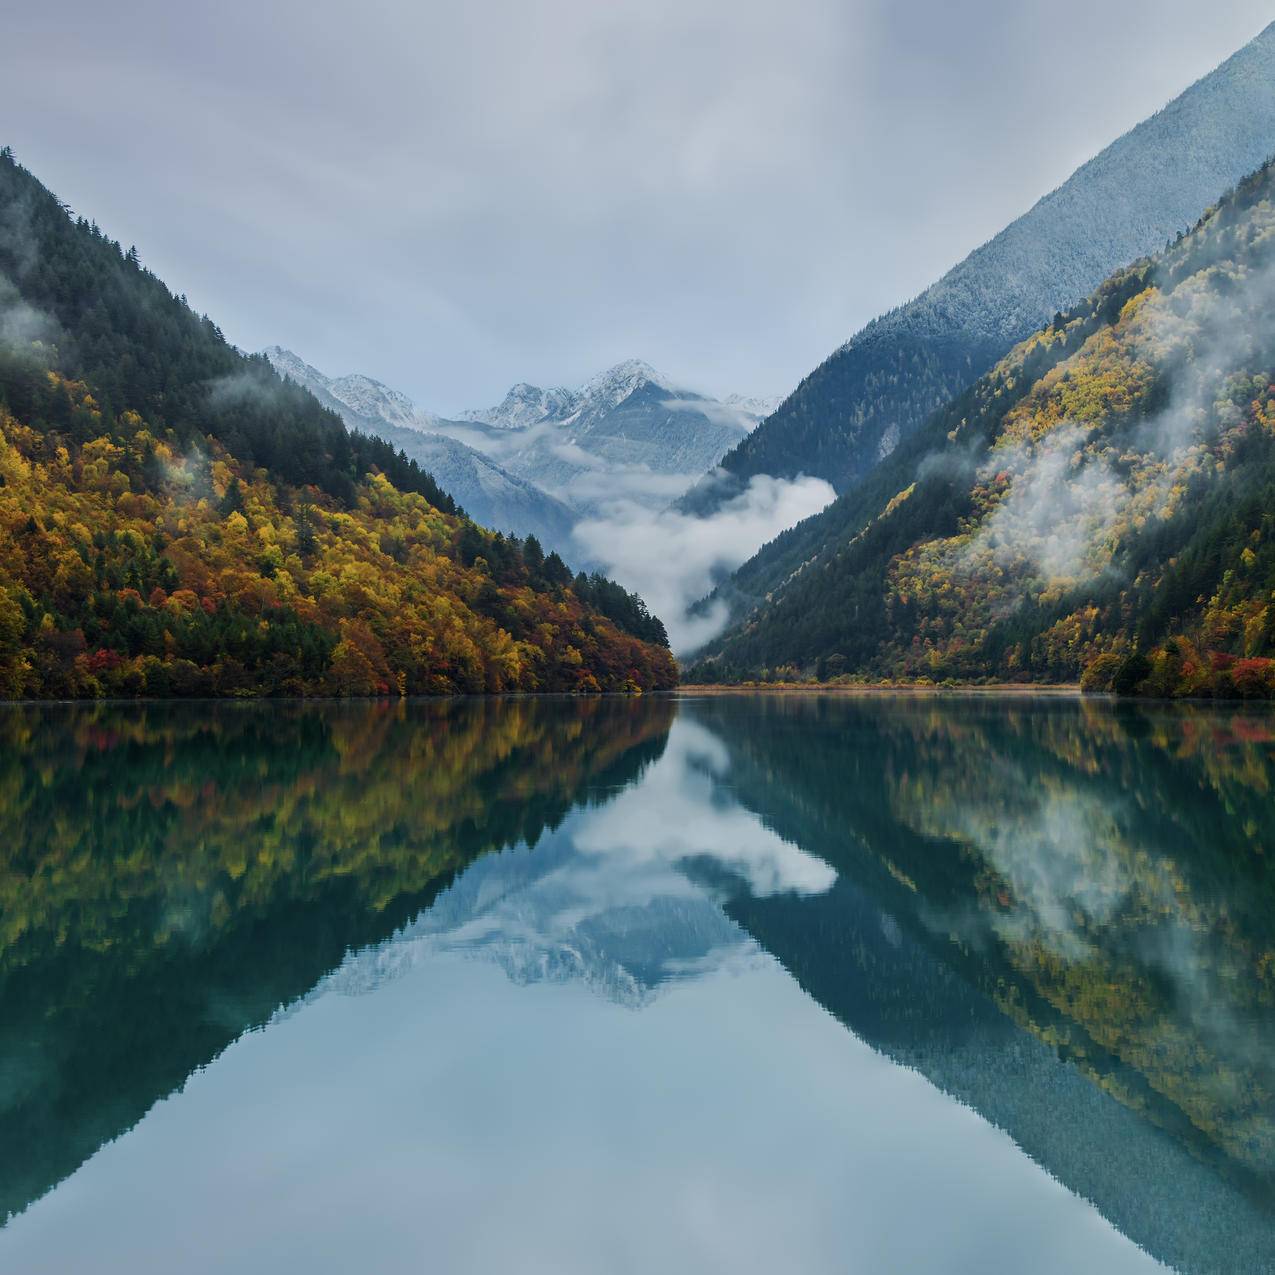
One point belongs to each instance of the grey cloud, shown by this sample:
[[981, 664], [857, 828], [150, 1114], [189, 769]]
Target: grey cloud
[[453, 196]]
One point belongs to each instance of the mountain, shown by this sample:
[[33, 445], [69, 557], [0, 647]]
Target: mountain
[[176, 519], [1099, 504], [540, 458], [355, 396], [526, 405], [753, 406], [1145, 188], [629, 433], [490, 495]]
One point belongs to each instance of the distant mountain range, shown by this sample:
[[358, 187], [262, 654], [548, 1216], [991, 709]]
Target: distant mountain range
[[629, 433], [1144, 189], [539, 459]]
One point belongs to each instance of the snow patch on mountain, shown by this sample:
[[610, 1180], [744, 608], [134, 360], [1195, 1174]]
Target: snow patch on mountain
[[610, 388], [370, 398]]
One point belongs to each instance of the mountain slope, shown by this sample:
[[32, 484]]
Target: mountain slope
[[176, 519], [525, 405], [367, 401], [70, 295], [1126, 202], [1102, 500], [489, 494]]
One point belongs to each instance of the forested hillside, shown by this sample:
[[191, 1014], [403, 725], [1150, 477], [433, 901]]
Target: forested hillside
[[101, 318], [1146, 187], [1102, 503], [175, 519]]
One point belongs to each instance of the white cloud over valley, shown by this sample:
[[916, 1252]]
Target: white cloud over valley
[[674, 559]]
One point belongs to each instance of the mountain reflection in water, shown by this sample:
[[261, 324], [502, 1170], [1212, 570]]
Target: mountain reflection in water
[[1058, 913]]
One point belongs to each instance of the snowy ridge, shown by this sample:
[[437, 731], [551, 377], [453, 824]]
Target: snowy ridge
[[1155, 180], [753, 407], [528, 405], [610, 388], [370, 398], [367, 399]]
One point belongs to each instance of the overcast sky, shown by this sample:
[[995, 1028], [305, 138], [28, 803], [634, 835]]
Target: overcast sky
[[455, 196]]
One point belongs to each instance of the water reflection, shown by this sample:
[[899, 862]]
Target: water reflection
[[1061, 913], [172, 874], [1057, 913], [616, 896]]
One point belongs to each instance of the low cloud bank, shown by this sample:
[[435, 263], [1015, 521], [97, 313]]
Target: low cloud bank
[[673, 559]]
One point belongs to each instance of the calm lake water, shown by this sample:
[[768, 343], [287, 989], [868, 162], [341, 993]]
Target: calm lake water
[[736, 984]]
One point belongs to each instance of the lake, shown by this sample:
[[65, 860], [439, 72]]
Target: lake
[[747, 984]]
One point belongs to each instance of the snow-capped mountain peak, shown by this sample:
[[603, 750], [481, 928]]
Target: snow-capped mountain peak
[[291, 365], [526, 405], [617, 383]]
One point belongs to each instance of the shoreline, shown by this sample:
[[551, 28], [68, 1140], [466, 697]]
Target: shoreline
[[1068, 690]]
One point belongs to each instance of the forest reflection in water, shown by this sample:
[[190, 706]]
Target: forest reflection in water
[[1059, 913]]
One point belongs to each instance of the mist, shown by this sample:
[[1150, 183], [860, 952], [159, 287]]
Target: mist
[[1060, 510], [674, 559], [23, 328], [1063, 499]]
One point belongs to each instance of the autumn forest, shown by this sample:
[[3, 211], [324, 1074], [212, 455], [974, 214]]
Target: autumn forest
[[177, 520]]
